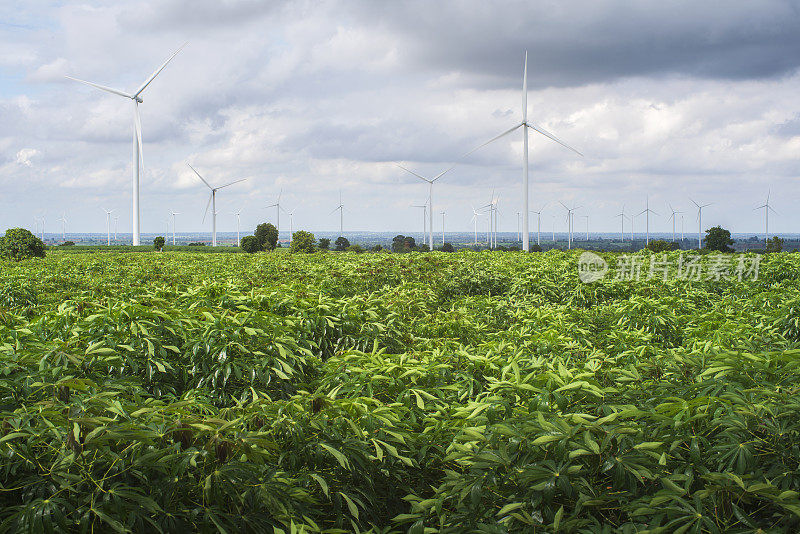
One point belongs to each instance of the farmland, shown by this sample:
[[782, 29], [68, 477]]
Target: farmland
[[438, 392]]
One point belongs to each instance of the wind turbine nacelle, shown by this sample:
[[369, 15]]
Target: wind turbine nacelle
[[139, 99]]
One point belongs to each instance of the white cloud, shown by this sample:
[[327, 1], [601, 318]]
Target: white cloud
[[24, 156]]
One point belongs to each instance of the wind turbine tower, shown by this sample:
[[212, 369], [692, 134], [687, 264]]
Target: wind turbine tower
[[647, 211], [108, 224], [430, 197], [700, 222], [212, 201], [674, 212], [767, 209]]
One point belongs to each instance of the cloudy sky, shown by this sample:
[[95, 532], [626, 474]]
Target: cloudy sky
[[667, 99]]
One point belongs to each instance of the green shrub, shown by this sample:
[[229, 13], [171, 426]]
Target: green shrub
[[324, 243], [158, 243], [250, 244], [660, 245], [303, 242], [19, 244]]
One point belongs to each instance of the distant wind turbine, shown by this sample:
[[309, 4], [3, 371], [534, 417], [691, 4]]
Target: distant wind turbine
[[525, 125], [340, 207], [674, 212], [424, 219], [475, 215], [767, 209], [570, 214], [173, 213], [108, 224], [212, 201], [116, 222], [622, 216], [442, 229], [430, 196], [700, 221], [647, 211], [587, 226], [277, 207], [539, 223], [137, 136], [63, 220]]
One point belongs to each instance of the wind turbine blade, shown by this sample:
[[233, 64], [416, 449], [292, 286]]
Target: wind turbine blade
[[565, 207], [207, 205], [553, 137], [198, 175], [493, 139], [138, 126], [331, 213], [773, 210], [153, 76], [412, 172], [693, 202], [443, 173], [525, 90], [102, 87], [236, 182]]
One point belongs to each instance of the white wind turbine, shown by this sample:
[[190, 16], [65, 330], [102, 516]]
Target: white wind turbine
[[277, 207], [539, 223], [424, 218], [430, 197], [108, 224], [492, 206], [173, 213], [587, 227], [291, 222], [525, 125], [238, 226], [647, 211], [116, 222], [475, 215], [519, 232], [674, 212], [212, 201], [138, 158], [570, 215], [622, 216], [442, 229], [700, 221], [767, 208], [340, 207]]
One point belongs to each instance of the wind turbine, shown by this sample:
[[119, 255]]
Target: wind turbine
[[291, 222], [277, 207], [621, 215], [766, 207], [138, 158], [442, 229], [424, 218], [238, 225], [108, 224], [674, 212], [340, 207], [681, 230], [492, 206], [475, 215], [116, 221], [700, 221], [539, 224], [212, 201], [173, 213], [570, 213], [63, 220], [647, 211], [525, 125], [430, 196], [519, 235]]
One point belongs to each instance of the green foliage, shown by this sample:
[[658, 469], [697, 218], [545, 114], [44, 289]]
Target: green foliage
[[355, 248], [377, 248], [535, 248], [719, 239], [250, 244], [267, 236], [324, 243], [158, 243], [303, 242], [470, 392], [67, 244], [401, 244], [19, 244], [448, 247], [341, 244], [775, 244], [660, 245], [423, 247]]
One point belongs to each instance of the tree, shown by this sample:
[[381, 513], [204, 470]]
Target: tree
[[324, 243], [377, 248], [660, 245], [401, 243], [250, 244], [448, 247], [19, 244], [775, 244], [303, 242], [341, 244], [536, 248], [424, 248], [267, 236], [158, 243], [67, 244], [719, 239], [355, 248]]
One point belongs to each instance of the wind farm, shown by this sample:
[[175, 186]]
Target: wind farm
[[324, 304]]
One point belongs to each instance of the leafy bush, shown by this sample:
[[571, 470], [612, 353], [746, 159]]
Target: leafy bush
[[775, 244], [341, 244], [324, 243], [303, 242], [250, 244], [18, 244], [377, 248], [67, 244], [448, 247], [355, 248], [660, 245], [267, 236], [158, 243]]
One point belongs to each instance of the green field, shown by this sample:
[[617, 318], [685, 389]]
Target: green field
[[467, 392]]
